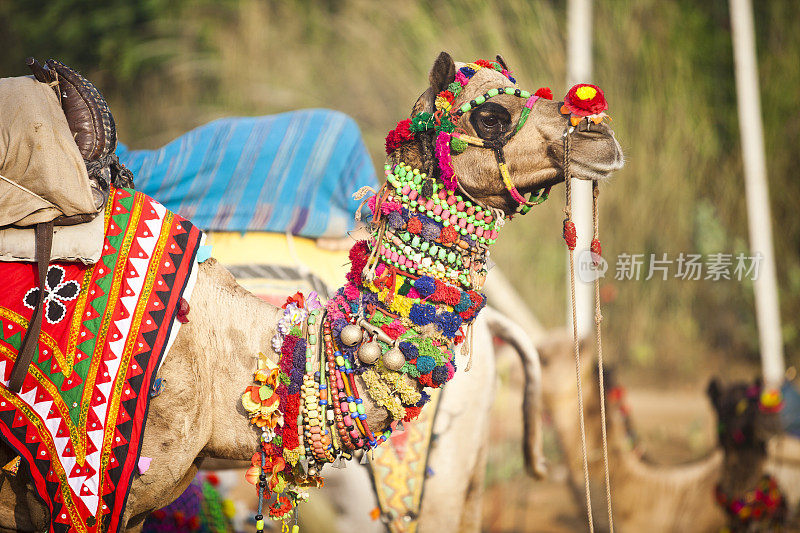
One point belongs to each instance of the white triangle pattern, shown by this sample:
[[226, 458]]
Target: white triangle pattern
[[140, 265]]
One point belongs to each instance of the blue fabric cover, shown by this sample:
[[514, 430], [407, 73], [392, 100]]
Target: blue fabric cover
[[290, 172]]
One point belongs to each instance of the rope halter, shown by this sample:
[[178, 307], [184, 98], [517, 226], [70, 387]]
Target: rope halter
[[539, 196], [448, 141]]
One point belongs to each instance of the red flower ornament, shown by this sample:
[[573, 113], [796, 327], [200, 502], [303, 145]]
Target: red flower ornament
[[585, 100]]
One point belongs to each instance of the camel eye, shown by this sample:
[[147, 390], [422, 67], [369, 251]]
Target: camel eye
[[490, 120]]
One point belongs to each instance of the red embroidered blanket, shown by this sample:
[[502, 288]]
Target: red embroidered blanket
[[79, 418]]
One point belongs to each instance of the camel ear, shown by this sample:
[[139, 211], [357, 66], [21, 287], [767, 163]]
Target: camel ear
[[713, 391], [442, 74], [502, 62]]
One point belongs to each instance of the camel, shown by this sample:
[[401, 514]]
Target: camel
[[646, 496], [749, 419], [199, 414]]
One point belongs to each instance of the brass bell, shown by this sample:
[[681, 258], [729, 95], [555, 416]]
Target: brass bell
[[369, 352], [351, 334], [394, 359]]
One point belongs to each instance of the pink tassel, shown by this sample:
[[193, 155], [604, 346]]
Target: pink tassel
[[445, 161]]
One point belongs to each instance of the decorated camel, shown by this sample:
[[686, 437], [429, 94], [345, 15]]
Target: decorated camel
[[333, 380], [753, 497], [646, 496], [751, 465]]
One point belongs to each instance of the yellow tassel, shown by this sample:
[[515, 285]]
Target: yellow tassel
[[471, 342]]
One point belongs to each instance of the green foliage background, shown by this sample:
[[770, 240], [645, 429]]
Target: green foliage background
[[666, 66]]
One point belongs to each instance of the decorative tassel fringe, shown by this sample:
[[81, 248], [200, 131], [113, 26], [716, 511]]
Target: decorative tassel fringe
[[361, 194], [465, 350]]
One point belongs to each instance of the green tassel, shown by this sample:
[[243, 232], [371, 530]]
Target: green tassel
[[458, 145], [455, 88], [421, 122]]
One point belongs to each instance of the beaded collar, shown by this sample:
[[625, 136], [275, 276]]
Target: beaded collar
[[765, 504]]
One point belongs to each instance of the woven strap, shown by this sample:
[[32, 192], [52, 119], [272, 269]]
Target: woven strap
[[44, 245]]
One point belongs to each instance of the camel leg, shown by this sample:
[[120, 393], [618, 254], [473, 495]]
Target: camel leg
[[19, 508], [471, 515], [457, 456], [135, 523]]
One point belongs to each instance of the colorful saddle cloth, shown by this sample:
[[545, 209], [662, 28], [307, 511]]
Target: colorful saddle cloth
[[79, 418], [293, 172]]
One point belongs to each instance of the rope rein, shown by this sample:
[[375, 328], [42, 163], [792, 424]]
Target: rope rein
[[570, 236], [568, 225], [598, 318]]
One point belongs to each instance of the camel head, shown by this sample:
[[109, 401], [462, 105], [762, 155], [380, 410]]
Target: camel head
[[748, 415], [534, 154]]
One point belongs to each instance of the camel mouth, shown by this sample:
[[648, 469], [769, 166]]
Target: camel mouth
[[596, 154]]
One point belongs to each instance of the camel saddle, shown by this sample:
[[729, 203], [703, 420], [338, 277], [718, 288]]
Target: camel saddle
[[56, 165]]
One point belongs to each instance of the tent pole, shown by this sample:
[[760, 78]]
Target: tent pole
[[755, 174], [579, 70]]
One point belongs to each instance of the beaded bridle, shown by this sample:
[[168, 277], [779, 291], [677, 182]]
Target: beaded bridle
[[444, 120], [523, 204]]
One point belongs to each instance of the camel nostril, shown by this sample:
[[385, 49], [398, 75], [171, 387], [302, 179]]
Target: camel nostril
[[589, 128]]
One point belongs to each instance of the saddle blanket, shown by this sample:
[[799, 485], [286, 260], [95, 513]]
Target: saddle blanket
[[78, 421]]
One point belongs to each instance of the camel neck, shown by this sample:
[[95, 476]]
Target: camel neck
[[743, 469], [423, 229], [414, 284]]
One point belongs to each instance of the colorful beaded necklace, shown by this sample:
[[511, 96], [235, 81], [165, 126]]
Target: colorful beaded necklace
[[410, 298], [764, 505]]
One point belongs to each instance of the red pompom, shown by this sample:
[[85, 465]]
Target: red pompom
[[359, 254], [447, 95], [391, 142], [484, 63], [399, 135], [570, 234], [544, 92], [414, 225], [412, 413], [403, 130], [449, 235], [446, 294], [426, 380]]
